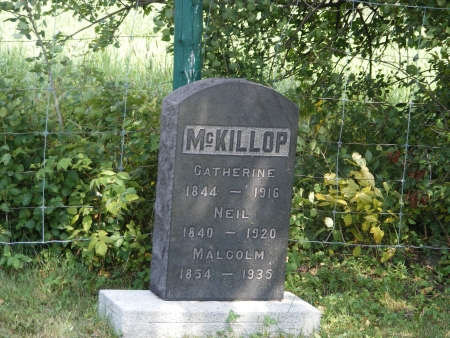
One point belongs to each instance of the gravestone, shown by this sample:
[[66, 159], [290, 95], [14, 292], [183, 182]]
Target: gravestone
[[221, 220], [227, 153]]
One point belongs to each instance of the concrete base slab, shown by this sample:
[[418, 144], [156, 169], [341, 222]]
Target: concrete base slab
[[136, 314]]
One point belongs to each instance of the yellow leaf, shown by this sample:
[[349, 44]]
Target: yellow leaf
[[362, 197], [352, 185], [372, 218], [320, 197], [357, 175], [378, 192], [356, 157], [349, 192], [368, 179], [367, 190], [365, 225], [348, 220], [359, 160], [366, 207], [377, 234], [341, 201], [357, 251], [329, 178], [377, 204], [387, 255]]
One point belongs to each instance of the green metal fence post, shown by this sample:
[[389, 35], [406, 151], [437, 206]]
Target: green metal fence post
[[187, 42]]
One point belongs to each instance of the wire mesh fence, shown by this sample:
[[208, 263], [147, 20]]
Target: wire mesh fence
[[80, 145]]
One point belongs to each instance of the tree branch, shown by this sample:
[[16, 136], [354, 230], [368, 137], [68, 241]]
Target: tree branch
[[47, 62], [120, 10]]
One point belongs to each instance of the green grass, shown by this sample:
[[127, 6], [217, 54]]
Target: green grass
[[359, 297], [48, 299]]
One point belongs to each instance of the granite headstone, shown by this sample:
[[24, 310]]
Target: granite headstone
[[226, 162]]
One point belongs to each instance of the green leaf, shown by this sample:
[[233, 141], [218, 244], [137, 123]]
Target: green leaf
[[131, 197], [7, 251], [88, 95], [5, 159], [72, 210], [168, 13], [123, 175], [74, 219], [30, 224], [357, 251], [101, 248], [232, 316], [17, 263], [10, 260], [24, 258], [20, 4], [368, 155], [411, 69], [93, 242], [105, 239], [63, 163], [113, 206], [22, 25], [119, 242], [87, 221], [56, 49], [108, 173], [26, 198]]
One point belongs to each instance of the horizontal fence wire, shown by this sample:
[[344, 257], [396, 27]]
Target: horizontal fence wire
[[388, 60]]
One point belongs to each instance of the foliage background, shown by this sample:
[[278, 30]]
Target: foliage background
[[79, 142]]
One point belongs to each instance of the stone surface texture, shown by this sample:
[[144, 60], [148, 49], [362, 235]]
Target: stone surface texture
[[224, 189], [139, 314]]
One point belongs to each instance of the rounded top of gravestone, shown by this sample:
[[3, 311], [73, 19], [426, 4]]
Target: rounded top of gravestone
[[186, 91]]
